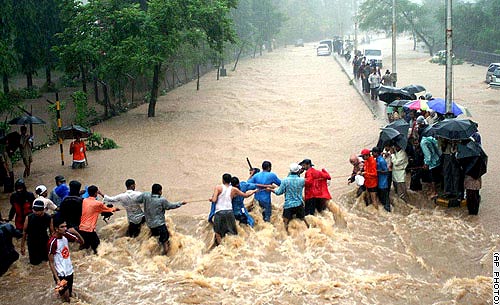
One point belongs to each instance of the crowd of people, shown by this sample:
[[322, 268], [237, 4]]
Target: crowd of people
[[370, 76], [426, 160]]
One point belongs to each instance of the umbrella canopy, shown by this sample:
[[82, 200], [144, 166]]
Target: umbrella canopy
[[439, 105], [465, 110], [390, 94], [414, 88], [417, 105], [391, 136], [399, 103], [473, 159], [400, 125], [72, 131], [26, 120], [454, 129]]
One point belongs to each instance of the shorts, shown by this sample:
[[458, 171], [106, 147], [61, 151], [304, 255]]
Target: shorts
[[242, 218], [78, 165], [225, 223], [69, 285], [135, 228], [91, 240], [161, 232], [315, 204], [298, 211], [372, 189], [27, 160]]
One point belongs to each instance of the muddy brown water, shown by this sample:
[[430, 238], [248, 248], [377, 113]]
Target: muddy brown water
[[283, 107]]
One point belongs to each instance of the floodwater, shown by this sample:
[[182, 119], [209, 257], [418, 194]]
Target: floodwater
[[283, 107]]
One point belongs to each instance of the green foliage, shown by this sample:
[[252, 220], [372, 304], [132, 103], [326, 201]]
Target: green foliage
[[97, 142], [30, 93], [68, 81], [9, 102], [84, 113]]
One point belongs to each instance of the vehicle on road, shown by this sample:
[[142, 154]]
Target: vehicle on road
[[323, 50], [328, 42], [495, 80], [373, 56], [489, 73]]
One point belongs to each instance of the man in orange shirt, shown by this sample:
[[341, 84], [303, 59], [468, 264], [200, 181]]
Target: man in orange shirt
[[91, 209], [78, 149], [370, 174]]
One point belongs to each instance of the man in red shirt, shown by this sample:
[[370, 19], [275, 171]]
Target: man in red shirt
[[316, 188], [370, 174], [78, 149], [91, 209]]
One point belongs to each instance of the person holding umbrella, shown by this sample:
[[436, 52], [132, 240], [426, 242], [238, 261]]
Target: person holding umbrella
[[78, 149], [25, 146]]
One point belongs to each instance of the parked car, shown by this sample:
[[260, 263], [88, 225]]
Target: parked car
[[299, 43], [495, 80], [323, 50], [489, 73], [328, 42]]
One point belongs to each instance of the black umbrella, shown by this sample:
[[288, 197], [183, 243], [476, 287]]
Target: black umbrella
[[390, 94], [392, 137], [72, 131], [400, 125], [399, 103], [26, 120], [414, 88], [454, 129], [473, 159]]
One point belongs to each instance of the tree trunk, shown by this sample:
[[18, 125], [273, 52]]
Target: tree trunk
[[96, 86], [29, 80], [255, 50], [143, 5], [414, 40], [198, 77], [48, 77], [238, 57], [84, 78], [154, 91], [5, 81]]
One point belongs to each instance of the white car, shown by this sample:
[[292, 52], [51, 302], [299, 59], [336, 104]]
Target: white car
[[323, 50], [489, 73]]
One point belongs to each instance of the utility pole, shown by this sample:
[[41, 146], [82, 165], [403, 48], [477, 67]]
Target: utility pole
[[449, 60], [394, 75], [355, 27]]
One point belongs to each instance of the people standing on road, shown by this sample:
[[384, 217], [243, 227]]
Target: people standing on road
[[21, 201], [78, 149], [263, 196], [49, 206], [383, 179], [374, 81], [386, 78], [356, 63], [399, 164], [59, 258], [365, 74], [6, 162], [60, 191], [316, 188], [370, 175], [71, 207], [91, 209], [292, 187], [129, 200], [8, 253], [432, 161], [36, 228], [26, 146], [154, 211], [224, 220]]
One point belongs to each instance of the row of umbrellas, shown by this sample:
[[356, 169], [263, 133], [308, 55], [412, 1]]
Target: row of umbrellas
[[66, 132], [436, 104], [471, 155]]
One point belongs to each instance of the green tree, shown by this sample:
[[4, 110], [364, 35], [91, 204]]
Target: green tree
[[8, 55]]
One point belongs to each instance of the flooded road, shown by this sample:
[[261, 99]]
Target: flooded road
[[283, 107]]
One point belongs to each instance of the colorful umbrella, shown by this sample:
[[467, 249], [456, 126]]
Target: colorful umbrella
[[417, 105], [439, 105]]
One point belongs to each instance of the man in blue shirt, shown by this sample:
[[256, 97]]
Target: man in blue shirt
[[263, 196], [292, 187], [383, 179]]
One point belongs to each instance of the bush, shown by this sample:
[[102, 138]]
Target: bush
[[30, 93], [68, 81], [96, 142]]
